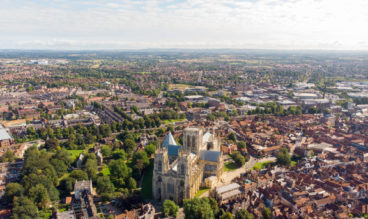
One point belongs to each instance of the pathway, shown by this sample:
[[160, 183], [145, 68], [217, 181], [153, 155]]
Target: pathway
[[227, 177]]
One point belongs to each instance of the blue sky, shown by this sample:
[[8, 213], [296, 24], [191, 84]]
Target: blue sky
[[137, 24]]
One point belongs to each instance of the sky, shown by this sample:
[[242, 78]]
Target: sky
[[190, 24]]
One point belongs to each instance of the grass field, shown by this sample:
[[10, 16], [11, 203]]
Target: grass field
[[147, 182], [201, 191], [261, 165], [75, 153], [230, 166], [169, 121], [105, 171]]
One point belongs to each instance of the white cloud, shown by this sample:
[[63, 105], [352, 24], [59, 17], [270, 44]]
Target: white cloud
[[119, 24]]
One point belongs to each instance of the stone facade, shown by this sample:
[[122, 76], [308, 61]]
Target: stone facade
[[179, 171]]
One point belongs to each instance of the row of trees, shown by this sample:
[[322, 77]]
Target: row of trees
[[276, 109], [148, 121], [207, 208]]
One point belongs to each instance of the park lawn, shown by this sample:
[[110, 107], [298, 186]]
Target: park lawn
[[230, 166], [75, 153], [169, 121], [201, 191], [105, 171], [147, 182], [261, 165]]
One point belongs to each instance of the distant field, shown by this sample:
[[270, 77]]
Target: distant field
[[178, 86], [173, 120]]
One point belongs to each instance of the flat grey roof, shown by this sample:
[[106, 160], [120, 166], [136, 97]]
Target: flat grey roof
[[227, 188]]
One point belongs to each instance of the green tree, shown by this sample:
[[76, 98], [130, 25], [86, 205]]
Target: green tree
[[104, 185], [150, 149], [119, 172], [131, 183], [266, 213], [91, 168], [106, 150], [8, 156], [170, 208], [119, 154], [129, 145], [60, 166], [232, 137], [238, 158], [227, 215], [283, 157], [140, 160], [197, 208], [39, 195], [24, 209], [211, 117], [67, 184], [13, 189], [79, 175], [243, 214], [242, 145]]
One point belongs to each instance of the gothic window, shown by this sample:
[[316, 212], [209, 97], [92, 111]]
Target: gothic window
[[182, 183], [188, 142], [182, 169], [159, 166], [170, 188], [193, 143], [159, 179]]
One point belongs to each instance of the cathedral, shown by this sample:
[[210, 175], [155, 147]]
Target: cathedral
[[179, 171]]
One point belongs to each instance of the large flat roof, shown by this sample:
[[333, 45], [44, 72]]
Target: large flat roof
[[227, 188]]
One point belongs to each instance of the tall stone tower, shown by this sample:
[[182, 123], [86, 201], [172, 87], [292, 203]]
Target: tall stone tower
[[184, 167], [192, 140], [161, 166]]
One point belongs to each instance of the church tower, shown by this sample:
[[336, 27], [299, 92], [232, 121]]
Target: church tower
[[192, 140], [161, 166]]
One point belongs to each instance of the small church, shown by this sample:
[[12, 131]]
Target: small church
[[179, 171]]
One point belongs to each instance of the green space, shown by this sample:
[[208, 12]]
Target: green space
[[201, 191], [106, 171], [147, 182], [293, 163], [74, 153], [169, 121], [230, 166], [261, 165]]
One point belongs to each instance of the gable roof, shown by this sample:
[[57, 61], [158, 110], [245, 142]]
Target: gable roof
[[4, 135], [209, 155]]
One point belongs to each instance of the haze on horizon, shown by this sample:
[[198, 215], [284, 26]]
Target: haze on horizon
[[194, 24]]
